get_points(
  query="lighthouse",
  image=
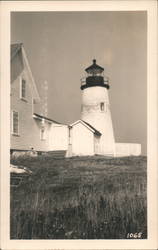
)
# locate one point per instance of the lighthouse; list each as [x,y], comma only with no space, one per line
[95,108]
[93,133]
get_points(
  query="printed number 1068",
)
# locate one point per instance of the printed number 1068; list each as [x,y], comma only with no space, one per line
[134,235]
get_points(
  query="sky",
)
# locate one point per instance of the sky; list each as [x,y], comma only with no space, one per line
[60,45]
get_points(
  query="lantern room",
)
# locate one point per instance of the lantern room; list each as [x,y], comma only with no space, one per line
[95,77]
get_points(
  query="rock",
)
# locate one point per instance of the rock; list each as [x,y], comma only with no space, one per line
[19,170]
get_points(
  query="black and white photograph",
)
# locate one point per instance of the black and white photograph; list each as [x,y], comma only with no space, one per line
[78,125]
[79,149]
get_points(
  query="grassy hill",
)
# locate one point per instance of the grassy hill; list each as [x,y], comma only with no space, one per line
[80,198]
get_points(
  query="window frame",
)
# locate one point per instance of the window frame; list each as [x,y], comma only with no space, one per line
[102,106]
[21,88]
[43,138]
[14,132]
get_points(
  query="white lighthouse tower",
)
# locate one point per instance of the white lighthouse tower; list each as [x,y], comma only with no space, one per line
[95,108]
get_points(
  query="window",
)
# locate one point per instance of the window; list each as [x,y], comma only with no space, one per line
[23,89]
[15,122]
[43,134]
[102,106]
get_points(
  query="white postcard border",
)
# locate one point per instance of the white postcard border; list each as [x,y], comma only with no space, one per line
[151,8]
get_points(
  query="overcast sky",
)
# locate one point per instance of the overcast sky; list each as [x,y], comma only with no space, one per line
[60,45]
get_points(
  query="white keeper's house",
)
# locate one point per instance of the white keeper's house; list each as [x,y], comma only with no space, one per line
[92,134]
[28,129]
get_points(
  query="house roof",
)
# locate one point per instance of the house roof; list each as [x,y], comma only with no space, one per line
[95,130]
[35,115]
[90,127]
[15,48]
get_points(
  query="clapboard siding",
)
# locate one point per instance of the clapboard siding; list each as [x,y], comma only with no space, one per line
[17,65]
[29,128]
[82,140]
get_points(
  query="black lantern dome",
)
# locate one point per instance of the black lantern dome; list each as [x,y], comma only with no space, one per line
[95,77]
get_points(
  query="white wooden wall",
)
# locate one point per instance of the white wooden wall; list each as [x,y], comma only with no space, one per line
[58,137]
[127,149]
[82,140]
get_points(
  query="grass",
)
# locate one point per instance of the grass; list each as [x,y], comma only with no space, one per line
[79,198]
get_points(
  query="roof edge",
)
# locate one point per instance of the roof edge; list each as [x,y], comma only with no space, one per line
[90,127]
[18,46]
[35,115]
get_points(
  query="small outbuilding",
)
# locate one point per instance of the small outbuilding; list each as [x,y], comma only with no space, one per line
[83,139]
